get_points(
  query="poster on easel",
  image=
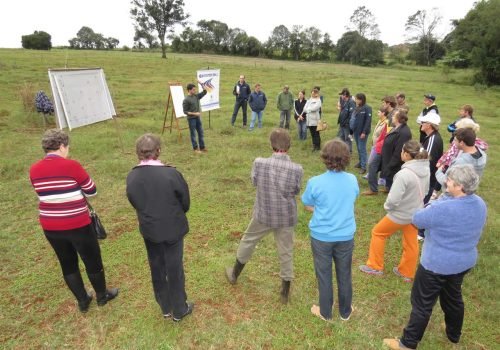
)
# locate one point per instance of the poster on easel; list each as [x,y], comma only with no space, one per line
[174,106]
[209,80]
[177,93]
[81,97]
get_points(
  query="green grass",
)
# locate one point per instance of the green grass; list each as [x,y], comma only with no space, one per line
[37,310]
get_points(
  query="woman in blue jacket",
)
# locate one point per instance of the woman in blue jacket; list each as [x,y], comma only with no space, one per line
[361,124]
[453,225]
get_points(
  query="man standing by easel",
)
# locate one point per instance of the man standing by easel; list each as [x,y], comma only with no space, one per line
[192,109]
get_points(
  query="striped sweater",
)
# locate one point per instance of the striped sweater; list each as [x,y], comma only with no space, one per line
[59,183]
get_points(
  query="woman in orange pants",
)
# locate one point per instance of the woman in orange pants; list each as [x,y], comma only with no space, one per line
[410,185]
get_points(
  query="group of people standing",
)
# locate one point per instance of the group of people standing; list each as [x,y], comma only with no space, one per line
[160,195]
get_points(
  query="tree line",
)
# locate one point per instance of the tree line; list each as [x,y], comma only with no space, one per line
[473,42]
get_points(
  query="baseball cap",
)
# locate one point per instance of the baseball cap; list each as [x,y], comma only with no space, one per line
[432,118]
[430,97]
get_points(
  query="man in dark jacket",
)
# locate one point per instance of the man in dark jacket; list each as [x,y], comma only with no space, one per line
[433,144]
[361,124]
[346,107]
[430,107]
[242,92]
[257,102]
[160,196]
[192,109]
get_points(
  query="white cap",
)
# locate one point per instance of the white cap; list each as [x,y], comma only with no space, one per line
[432,118]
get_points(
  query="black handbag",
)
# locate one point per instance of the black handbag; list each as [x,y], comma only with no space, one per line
[96,224]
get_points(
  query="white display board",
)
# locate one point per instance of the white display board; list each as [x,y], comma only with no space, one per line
[210,81]
[177,93]
[81,97]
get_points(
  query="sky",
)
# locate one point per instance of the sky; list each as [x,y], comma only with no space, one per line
[63,18]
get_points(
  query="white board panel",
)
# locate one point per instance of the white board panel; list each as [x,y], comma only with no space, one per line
[177,92]
[81,96]
[210,81]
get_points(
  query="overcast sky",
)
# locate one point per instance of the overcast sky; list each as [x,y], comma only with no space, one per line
[63,18]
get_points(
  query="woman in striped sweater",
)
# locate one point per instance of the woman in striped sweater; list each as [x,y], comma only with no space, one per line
[62,185]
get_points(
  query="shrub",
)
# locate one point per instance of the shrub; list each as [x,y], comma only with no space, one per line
[39,40]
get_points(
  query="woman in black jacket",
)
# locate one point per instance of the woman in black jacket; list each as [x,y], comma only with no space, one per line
[300,115]
[160,195]
[361,124]
[393,144]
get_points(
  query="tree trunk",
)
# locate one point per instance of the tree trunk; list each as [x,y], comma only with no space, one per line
[163,47]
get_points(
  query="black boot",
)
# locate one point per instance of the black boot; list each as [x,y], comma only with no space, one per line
[285,291]
[103,295]
[75,284]
[232,273]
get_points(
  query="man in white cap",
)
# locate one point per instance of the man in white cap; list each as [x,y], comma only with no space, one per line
[433,144]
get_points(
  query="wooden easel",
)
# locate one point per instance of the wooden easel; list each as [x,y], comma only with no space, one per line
[170,105]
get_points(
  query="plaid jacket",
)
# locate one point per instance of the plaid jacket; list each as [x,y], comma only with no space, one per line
[278,181]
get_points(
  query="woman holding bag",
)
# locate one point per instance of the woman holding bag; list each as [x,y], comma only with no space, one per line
[62,185]
[405,198]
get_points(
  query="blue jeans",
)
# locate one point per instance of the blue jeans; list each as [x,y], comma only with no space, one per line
[343,134]
[361,146]
[341,254]
[373,168]
[196,127]
[256,115]
[302,129]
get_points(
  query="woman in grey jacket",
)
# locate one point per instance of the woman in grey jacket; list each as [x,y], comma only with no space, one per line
[312,108]
[405,198]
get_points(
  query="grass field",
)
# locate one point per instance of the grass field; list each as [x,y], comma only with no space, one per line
[38,311]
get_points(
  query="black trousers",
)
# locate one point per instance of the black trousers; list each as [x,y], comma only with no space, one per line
[316,138]
[237,104]
[69,244]
[427,288]
[167,275]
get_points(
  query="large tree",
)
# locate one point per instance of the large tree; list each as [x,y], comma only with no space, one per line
[158,15]
[476,37]
[279,41]
[421,28]
[363,21]
[39,40]
[86,38]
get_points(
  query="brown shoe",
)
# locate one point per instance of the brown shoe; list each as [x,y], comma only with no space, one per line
[197,151]
[394,344]
[204,150]
[384,190]
[369,193]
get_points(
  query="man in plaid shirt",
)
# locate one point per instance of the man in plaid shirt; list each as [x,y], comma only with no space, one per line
[278,181]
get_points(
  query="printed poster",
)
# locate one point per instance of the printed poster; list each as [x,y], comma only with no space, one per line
[210,81]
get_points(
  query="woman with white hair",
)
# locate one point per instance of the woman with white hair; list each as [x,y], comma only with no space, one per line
[453,240]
